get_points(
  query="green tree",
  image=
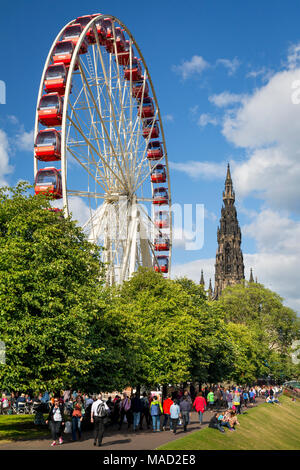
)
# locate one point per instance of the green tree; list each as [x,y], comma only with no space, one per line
[272,328]
[49,294]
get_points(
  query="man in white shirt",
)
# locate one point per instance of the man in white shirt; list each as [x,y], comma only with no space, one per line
[99,413]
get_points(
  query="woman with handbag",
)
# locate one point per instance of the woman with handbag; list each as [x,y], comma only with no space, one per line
[56,421]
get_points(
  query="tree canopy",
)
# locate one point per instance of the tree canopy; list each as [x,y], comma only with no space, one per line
[63,327]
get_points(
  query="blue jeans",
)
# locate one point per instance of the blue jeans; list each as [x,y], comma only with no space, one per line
[76,426]
[136,419]
[156,423]
[166,419]
[200,415]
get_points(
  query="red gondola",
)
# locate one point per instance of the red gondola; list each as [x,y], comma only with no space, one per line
[134,71]
[162,243]
[72,33]
[120,42]
[83,21]
[154,150]
[124,57]
[101,29]
[63,52]
[48,181]
[107,24]
[161,219]
[47,146]
[160,196]
[163,264]
[150,130]
[158,174]
[147,108]
[137,89]
[50,109]
[55,78]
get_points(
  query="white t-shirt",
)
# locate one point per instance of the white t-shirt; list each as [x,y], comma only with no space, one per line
[57,414]
[95,407]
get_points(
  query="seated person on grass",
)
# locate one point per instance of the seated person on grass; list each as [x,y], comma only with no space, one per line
[215,424]
[232,418]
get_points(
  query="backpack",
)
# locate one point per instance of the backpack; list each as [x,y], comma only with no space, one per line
[101,411]
[155,410]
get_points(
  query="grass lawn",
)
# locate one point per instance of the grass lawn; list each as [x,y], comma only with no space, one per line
[14,427]
[265,427]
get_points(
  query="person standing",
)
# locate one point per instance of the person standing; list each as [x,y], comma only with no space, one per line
[174,414]
[145,411]
[99,415]
[166,408]
[56,421]
[246,398]
[237,401]
[200,405]
[125,406]
[155,411]
[185,408]
[77,416]
[136,408]
[229,398]
[210,399]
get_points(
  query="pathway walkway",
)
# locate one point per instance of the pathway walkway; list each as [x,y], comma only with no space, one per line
[115,439]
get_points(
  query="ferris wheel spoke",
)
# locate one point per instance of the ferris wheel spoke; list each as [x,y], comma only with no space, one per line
[85,194]
[89,143]
[108,90]
[86,168]
[105,130]
[96,132]
[144,153]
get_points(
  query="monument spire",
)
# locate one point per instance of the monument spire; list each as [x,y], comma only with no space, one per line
[202,283]
[229,266]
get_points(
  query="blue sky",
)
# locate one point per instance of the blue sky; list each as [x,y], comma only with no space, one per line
[223,75]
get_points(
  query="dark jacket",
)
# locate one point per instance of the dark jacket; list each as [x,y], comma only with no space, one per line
[50,416]
[136,405]
[185,405]
[213,422]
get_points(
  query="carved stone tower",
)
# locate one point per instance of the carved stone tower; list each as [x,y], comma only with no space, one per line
[229,267]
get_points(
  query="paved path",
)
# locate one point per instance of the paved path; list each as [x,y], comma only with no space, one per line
[115,439]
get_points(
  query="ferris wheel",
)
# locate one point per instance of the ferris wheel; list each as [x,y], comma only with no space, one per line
[98,126]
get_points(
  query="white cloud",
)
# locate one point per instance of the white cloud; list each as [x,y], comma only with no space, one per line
[192,270]
[168,117]
[80,211]
[5,168]
[196,169]
[226,98]
[263,72]
[293,59]
[230,65]
[188,68]
[205,119]
[277,272]
[24,140]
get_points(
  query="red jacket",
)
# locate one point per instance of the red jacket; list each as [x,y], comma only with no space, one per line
[199,404]
[166,406]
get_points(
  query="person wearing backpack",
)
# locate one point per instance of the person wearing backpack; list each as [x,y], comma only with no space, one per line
[155,412]
[99,414]
[145,411]
[125,410]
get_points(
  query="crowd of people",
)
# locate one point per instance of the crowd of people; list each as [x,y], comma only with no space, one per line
[73,411]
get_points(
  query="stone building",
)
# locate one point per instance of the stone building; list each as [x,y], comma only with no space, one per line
[229,266]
